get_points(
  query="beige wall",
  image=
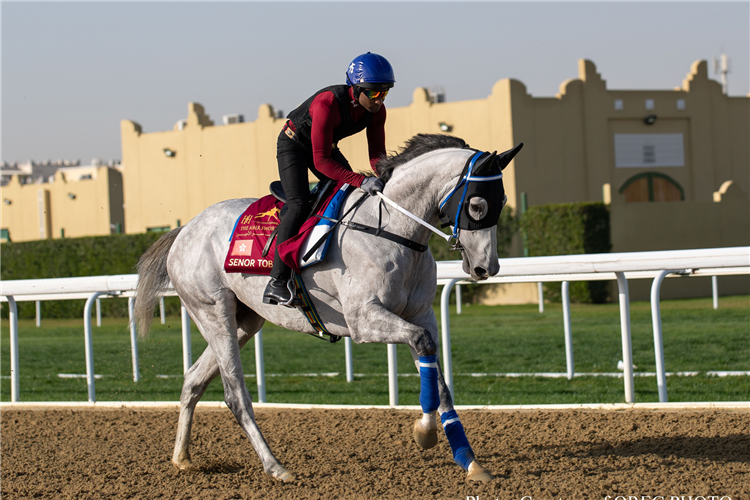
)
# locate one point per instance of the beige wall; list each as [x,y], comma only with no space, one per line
[568,153]
[212,163]
[38,211]
[571,136]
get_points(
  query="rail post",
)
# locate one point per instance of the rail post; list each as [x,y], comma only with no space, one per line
[715,290]
[13,317]
[661,376]
[540,293]
[348,359]
[568,334]
[627,344]
[133,340]
[98,312]
[187,347]
[392,375]
[446,334]
[88,338]
[260,369]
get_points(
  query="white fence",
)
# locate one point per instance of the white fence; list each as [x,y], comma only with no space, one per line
[567,268]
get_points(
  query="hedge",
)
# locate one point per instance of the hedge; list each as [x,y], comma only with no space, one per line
[566,229]
[573,228]
[72,257]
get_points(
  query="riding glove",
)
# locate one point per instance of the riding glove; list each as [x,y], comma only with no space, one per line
[372,185]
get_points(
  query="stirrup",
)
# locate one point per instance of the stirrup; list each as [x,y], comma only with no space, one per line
[293,301]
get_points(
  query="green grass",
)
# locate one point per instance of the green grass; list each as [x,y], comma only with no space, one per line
[497,339]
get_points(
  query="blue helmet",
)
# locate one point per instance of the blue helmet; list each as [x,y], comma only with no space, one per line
[370,71]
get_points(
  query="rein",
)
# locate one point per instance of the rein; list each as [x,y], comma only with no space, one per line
[463,181]
[446,237]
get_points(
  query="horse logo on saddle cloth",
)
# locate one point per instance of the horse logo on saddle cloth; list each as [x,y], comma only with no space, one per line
[253,240]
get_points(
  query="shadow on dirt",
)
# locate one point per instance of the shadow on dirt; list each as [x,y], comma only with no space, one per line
[216,467]
[732,448]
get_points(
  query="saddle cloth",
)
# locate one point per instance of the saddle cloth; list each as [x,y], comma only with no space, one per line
[257,223]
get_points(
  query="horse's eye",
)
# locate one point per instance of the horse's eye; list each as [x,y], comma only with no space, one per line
[477,208]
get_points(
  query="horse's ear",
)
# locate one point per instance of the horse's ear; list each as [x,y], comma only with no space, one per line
[486,163]
[503,159]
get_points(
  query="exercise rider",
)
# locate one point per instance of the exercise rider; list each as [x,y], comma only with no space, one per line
[308,141]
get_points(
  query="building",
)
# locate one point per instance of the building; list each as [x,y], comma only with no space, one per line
[672,164]
[56,201]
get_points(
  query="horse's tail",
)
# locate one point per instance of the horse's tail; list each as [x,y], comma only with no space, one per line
[152,280]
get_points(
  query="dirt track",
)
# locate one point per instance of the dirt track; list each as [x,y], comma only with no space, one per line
[352,454]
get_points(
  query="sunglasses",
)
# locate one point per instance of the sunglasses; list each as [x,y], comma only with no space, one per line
[375,94]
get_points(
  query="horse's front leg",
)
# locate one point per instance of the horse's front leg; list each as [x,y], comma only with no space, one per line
[425,429]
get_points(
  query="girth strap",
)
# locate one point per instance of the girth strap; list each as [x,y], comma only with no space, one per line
[308,309]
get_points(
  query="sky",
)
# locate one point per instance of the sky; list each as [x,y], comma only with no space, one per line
[71,71]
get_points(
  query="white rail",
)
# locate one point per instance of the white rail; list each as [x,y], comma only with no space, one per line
[565,268]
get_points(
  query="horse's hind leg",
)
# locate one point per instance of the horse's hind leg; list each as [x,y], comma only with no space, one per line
[218,324]
[197,378]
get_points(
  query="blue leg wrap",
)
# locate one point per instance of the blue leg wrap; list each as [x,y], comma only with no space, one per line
[454,431]
[429,397]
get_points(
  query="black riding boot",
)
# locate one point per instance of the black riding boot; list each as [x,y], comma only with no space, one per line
[279,291]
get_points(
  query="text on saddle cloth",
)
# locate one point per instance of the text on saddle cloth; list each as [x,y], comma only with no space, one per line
[257,224]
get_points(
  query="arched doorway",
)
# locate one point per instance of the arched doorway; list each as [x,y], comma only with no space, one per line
[652,186]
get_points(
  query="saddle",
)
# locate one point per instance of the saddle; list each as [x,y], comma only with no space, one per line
[317,195]
[253,238]
[257,227]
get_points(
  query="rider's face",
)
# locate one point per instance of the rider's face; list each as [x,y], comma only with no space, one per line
[371,105]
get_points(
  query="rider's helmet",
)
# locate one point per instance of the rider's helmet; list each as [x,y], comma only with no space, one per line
[370,71]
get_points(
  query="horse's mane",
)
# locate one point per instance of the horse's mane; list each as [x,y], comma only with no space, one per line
[416,146]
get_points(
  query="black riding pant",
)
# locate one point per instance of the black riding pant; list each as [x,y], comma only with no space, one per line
[294,161]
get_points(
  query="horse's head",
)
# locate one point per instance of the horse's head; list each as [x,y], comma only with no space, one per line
[472,208]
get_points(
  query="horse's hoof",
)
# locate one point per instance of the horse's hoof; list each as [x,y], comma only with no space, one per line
[425,438]
[478,473]
[284,476]
[183,464]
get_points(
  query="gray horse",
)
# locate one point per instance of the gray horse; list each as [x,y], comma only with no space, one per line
[368,288]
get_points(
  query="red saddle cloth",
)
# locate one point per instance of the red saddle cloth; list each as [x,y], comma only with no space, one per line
[251,233]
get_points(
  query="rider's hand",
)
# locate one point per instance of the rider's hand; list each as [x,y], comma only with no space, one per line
[372,185]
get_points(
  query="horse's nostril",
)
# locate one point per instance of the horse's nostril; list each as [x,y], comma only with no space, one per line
[480,271]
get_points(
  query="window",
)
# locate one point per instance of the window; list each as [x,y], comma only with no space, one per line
[649,104]
[4,235]
[681,104]
[649,150]
[652,186]
[618,104]
[161,229]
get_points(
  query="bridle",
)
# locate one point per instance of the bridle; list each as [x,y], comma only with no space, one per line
[481,178]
